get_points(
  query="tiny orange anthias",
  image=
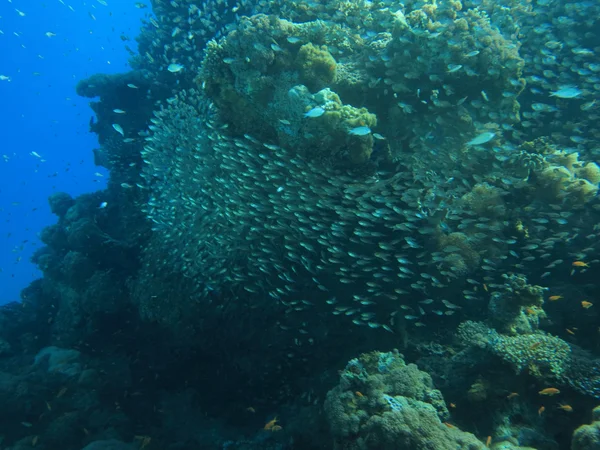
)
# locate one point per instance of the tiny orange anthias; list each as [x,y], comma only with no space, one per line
[270,424]
[549,391]
[567,408]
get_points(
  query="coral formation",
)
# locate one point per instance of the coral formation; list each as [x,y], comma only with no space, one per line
[316,66]
[313,181]
[587,437]
[517,306]
[390,405]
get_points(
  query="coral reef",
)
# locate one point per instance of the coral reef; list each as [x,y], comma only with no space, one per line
[517,307]
[587,437]
[265,90]
[294,184]
[381,402]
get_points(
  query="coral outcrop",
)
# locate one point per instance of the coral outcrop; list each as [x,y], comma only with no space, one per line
[587,437]
[383,403]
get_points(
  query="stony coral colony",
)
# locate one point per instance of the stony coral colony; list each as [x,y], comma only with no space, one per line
[417,175]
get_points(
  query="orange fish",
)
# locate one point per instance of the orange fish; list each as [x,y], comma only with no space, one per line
[449,425]
[276,428]
[570,331]
[586,304]
[534,346]
[488,441]
[541,410]
[567,408]
[452,405]
[485,288]
[270,424]
[359,394]
[579,264]
[553,298]
[512,395]
[549,391]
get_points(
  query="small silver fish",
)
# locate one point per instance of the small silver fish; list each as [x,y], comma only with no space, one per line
[174,68]
[360,131]
[454,68]
[317,111]
[566,92]
[119,129]
[482,138]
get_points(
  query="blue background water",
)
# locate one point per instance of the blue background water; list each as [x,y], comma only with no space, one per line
[40,112]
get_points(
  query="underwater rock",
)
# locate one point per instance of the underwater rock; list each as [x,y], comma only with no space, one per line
[5,347]
[60,360]
[60,202]
[63,431]
[77,268]
[54,236]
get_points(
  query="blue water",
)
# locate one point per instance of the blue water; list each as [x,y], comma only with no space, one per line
[40,112]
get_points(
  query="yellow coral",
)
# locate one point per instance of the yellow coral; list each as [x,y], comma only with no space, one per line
[316,65]
[582,190]
[465,259]
[567,160]
[485,200]
[553,180]
[590,172]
